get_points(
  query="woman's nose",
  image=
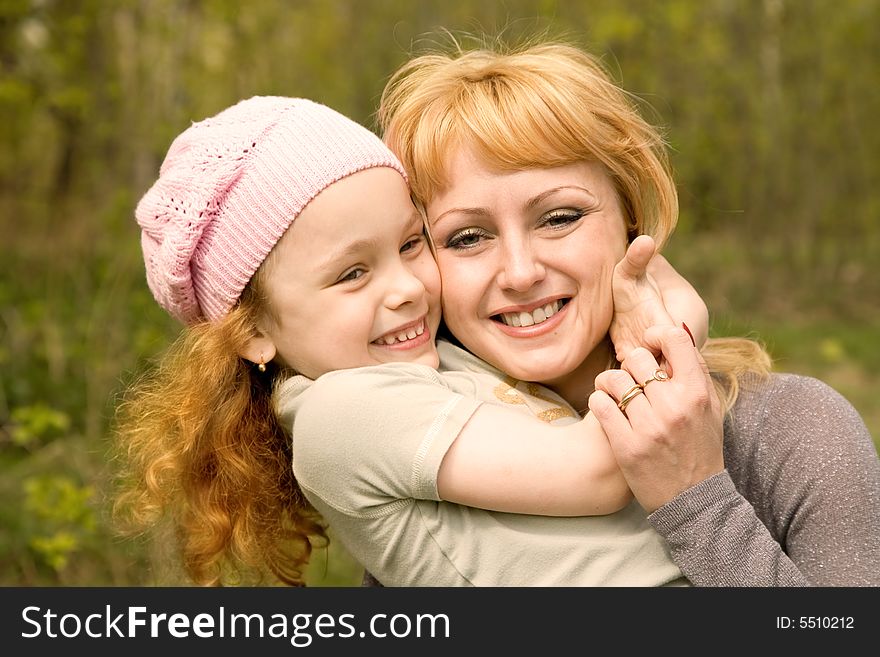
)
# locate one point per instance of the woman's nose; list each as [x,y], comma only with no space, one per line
[520,266]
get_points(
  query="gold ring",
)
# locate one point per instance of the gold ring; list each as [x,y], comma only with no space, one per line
[628,396]
[658,375]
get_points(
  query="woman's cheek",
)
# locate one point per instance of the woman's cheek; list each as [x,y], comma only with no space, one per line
[456,284]
[454,307]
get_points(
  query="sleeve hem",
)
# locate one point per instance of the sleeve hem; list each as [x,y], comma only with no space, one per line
[441,434]
[692,502]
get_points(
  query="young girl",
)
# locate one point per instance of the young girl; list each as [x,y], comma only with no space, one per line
[283,235]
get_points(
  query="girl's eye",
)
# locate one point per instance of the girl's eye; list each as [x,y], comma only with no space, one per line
[412,244]
[467,238]
[561,218]
[352,275]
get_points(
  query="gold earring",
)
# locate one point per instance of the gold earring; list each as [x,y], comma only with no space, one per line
[262,365]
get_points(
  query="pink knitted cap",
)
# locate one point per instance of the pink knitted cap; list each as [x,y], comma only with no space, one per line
[231,185]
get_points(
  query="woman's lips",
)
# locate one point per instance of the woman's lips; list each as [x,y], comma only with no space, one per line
[540,320]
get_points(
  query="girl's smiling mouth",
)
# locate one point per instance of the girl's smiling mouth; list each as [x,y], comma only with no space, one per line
[405,337]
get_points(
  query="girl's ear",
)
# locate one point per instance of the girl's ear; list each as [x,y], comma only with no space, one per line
[260,349]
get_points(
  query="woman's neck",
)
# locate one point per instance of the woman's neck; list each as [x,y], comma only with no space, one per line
[576,387]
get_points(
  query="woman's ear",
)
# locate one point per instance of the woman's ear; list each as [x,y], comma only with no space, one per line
[259,349]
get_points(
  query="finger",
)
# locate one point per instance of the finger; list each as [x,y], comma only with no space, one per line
[691,335]
[614,382]
[614,423]
[639,253]
[677,347]
[622,388]
[644,368]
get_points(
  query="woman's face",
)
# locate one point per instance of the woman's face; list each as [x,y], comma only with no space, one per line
[526,259]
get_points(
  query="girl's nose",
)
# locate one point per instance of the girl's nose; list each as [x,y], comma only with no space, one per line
[404,287]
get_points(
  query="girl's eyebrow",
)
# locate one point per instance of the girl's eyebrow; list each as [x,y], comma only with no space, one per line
[346,251]
[416,218]
[358,246]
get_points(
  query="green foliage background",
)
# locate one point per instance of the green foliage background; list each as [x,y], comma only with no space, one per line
[770,107]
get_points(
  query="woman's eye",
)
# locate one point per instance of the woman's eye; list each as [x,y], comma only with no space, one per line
[465,239]
[561,218]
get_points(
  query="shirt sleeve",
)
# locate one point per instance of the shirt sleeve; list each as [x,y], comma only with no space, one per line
[366,438]
[799,502]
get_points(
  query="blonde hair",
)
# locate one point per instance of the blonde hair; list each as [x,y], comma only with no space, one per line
[542,105]
[201,446]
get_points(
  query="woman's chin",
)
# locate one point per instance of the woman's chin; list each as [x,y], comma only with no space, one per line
[558,370]
[540,371]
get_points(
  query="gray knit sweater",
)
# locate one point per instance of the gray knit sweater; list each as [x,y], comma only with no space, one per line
[798,503]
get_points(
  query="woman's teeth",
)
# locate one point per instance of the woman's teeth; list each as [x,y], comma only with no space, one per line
[403,336]
[538,315]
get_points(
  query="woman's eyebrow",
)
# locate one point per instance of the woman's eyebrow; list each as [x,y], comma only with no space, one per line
[535,200]
[467,211]
[532,202]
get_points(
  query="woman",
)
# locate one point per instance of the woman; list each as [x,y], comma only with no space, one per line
[535,170]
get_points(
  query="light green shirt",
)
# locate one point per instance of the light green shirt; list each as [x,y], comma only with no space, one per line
[367,447]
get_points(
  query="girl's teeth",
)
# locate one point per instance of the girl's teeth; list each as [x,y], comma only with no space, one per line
[402,337]
[537,316]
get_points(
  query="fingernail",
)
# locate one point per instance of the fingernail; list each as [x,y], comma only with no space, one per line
[691,335]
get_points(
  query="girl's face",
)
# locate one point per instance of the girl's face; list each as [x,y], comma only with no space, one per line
[526,259]
[353,282]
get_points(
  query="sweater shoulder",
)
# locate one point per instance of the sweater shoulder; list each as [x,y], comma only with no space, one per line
[785,421]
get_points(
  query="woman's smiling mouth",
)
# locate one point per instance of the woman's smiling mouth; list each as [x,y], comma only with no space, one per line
[531,317]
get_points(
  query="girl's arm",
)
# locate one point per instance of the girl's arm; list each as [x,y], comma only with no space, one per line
[504,460]
[373,435]
[647,292]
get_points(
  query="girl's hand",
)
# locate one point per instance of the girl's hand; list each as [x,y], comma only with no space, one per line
[669,436]
[638,302]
